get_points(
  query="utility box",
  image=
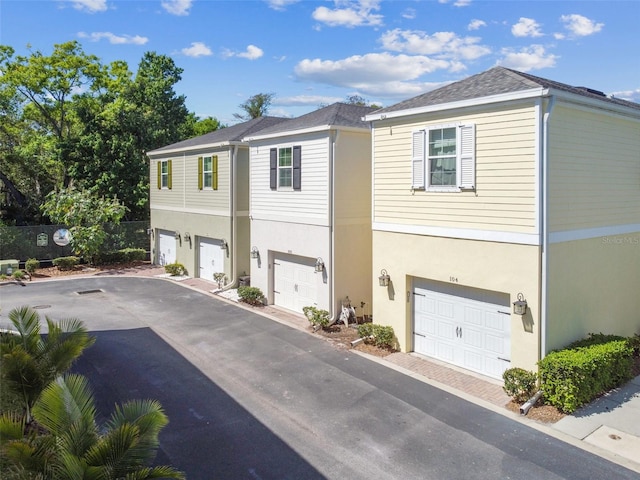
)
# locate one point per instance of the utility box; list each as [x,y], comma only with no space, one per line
[244,281]
[7,267]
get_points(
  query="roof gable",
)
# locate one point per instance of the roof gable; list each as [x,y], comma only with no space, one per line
[496,81]
[234,133]
[335,115]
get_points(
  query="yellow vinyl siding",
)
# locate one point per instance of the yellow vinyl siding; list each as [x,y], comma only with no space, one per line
[505,193]
[594,170]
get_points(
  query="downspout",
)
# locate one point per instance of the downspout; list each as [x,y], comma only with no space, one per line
[544,224]
[233,200]
[333,135]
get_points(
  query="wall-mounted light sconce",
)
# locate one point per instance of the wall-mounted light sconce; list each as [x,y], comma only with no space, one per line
[224,245]
[520,305]
[384,278]
[187,237]
[319,267]
[149,231]
[254,252]
[177,235]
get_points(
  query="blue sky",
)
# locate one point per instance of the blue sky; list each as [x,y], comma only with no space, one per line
[312,53]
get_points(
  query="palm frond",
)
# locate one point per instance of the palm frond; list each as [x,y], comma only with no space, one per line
[161,471]
[64,402]
[12,426]
[27,323]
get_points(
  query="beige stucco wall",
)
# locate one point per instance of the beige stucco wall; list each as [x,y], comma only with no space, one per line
[594,286]
[500,267]
[198,225]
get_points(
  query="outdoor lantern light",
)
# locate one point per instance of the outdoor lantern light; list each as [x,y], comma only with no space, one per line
[319,265]
[224,245]
[177,235]
[254,252]
[187,237]
[384,278]
[520,306]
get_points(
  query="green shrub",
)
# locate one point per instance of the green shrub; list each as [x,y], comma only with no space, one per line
[380,335]
[573,377]
[317,317]
[19,275]
[125,255]
[31,265]
[66,263]
[175,269]
[251,295]
[634,344]
[593,339]
[519,384]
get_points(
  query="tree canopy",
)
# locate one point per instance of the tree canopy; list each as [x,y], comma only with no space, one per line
[71,121]
[255,106]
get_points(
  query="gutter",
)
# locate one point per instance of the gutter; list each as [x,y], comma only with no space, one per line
[233,200]
[333,135]
[544,225]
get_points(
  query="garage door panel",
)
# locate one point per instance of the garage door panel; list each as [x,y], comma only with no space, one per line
[458,325]
[166,248]
[294,282]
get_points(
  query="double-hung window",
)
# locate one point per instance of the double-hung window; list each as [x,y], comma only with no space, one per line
[208,172]
[164,174]
[285,168]
[443,158]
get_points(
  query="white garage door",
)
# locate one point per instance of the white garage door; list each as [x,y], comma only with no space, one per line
[467,327]
[211,257]
[166,248]
[295,282]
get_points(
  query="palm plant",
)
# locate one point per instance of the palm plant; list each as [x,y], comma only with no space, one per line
[69,444]
[31,361]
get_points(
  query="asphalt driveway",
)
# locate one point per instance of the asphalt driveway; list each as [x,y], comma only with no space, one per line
[251,398]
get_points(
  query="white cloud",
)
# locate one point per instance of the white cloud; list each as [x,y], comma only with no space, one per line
[177,7]
[475,24]
[529,58]
[443,44]
[380,74]
[113,38]
[280,4]
[305,100]
[526,27]
[409,13]
[630,95]
[90,6]
[580,26]
[197,49]
[358,13]
[251,53]
[457,3]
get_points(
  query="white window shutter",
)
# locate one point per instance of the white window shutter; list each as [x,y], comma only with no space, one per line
[417,159]
[467,156]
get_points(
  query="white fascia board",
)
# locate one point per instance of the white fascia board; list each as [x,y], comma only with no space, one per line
[596,103]
[192,148]
[503,97]
[319,128]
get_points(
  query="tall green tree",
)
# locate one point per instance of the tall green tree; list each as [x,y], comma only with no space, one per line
[70,444]
[255,106]
[85,213]
[31,361]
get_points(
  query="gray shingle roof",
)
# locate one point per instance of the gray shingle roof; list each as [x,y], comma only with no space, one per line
[497,80]
[335,115]
[234,133]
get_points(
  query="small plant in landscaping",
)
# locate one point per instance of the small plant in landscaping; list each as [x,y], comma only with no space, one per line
[519,384]
[219,278]
[251,295]
[380,335]
[175,269]
[19,275]
[66,263]
[31,265]
[317,317]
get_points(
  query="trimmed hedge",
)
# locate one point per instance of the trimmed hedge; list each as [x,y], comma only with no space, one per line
[575,376]
[380,335]
[251,295]
[519,384]
[175,269]
[125,255]
[316,316]
[65,263]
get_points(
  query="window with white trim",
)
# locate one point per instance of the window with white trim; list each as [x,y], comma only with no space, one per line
[443,157]
[286,168]
[164,174]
